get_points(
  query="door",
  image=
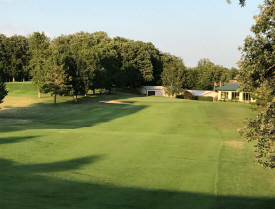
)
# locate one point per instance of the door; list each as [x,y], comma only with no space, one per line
[151,93]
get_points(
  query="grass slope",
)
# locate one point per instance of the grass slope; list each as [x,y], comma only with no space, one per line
[160,153]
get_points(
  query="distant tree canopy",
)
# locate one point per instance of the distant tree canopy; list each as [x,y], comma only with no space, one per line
[76,63]
[206,73]
[14,57]
[173,75]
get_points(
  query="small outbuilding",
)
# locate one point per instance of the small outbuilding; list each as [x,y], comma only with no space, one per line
[153,91]
[232,92]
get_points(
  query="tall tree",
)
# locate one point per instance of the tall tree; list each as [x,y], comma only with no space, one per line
[173,74]
[208,73]
[3,91]
[84,50]
[40,51]
[56,78]
[258,73]
[62,45]
[3,57]
[135,63]
[17,57]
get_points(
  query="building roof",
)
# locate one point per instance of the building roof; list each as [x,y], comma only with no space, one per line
[210,94]
[229,87]
[199,92]
[153,87]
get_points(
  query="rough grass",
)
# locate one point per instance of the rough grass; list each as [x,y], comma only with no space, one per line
[160,153]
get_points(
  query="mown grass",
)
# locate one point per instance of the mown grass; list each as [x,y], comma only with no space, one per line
[158,153]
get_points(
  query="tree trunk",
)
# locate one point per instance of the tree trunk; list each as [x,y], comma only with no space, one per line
[75,98]
[93,91]
[110,90]
[54,100]
[39,94]
[13,79]
[23,79]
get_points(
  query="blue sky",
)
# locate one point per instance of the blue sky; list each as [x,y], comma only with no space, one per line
[191,29]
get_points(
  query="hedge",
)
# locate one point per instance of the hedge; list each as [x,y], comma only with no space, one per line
[201,98]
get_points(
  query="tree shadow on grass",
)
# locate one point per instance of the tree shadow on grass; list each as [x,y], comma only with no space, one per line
[86,113]
[8,140]
[22,187]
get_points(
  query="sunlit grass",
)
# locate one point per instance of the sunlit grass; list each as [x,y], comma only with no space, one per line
[158,153]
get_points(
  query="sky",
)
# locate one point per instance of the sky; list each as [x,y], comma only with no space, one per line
[190,29]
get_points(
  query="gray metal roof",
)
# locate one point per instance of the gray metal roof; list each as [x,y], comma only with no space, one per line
[198,92]
[153,87]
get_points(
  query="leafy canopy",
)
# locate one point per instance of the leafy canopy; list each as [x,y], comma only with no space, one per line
[3,91]
[258,74]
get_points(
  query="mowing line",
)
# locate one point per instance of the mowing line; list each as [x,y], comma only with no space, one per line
[218,161]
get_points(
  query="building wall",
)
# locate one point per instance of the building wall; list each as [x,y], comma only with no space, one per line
[241,96]
[143,90]
[160,93]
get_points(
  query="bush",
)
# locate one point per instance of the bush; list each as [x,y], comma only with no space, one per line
[202,98]
[188,95]
[180,96]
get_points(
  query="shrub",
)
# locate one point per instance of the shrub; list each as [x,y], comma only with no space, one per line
[180,96]
[188,95]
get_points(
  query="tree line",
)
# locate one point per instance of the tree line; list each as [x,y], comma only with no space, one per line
[73,64]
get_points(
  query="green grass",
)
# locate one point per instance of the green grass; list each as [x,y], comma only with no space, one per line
[159,153]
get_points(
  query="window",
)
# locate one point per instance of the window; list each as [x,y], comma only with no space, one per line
[235,95]
[224,95]
[246,96]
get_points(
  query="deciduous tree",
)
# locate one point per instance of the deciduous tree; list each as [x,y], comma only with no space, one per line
[258,73]
[3,91]
[173,74]
[17,57]
[40,51]
[56,79]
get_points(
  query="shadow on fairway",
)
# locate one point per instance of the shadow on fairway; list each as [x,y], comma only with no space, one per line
[7,140]
[23,187]
[67,115]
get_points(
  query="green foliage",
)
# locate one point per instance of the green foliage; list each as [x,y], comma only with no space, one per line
[14,57]
[57,79]
[40,52]
[206,73]
[3,56]
[262,130]
[135,62]
[18,56]
[258,52]
[241,2]
[3,91]
[257,73]
[262,95]
[173,74]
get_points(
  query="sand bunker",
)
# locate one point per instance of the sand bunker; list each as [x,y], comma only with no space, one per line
[234,144]
[116,102]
